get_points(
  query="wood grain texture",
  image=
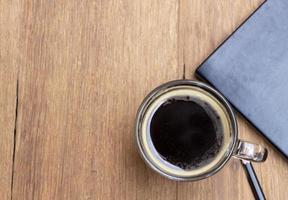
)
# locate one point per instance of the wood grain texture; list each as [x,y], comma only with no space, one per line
[8,92]
[86,67]
[83,68]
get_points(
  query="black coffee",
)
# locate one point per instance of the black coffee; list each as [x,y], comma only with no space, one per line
[185,133]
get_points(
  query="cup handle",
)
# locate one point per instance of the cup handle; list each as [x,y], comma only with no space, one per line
[250,152]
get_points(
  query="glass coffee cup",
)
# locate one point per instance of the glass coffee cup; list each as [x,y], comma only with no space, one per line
[186,130]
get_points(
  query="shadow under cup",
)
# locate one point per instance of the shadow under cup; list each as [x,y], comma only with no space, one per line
[211,159]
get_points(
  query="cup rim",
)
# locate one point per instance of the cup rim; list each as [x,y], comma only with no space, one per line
[206,87]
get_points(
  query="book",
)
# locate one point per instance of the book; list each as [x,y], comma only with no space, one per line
[251,70]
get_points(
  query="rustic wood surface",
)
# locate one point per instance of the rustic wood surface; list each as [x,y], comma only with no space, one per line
[72,76]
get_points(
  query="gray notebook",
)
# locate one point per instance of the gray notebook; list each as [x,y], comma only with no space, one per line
[251,69]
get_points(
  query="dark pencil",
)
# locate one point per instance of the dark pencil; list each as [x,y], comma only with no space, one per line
[253,180]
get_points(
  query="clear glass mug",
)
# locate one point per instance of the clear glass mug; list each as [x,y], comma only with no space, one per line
[233,147]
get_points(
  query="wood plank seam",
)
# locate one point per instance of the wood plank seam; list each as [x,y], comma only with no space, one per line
[15,134]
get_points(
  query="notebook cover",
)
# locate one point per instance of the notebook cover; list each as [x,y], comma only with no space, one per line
[251,69]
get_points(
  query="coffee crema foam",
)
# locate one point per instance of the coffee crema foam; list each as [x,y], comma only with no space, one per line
[197,164]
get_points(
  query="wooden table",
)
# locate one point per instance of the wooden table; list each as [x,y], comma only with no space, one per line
[72,76]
